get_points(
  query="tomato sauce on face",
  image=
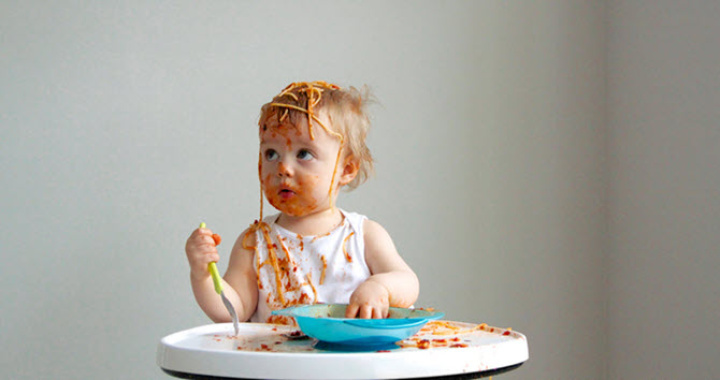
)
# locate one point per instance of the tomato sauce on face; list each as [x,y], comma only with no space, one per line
[297,199]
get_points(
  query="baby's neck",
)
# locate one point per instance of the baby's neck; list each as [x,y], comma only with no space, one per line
[317,223]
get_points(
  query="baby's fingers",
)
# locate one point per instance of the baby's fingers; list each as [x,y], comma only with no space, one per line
[199,261]
[380,313]
[202,237]
[351,311]
[209,257]
[365,311]
[200,247]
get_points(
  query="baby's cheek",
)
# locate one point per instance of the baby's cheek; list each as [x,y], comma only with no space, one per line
[308,182]
[268,189]
[306,201]
[265,181]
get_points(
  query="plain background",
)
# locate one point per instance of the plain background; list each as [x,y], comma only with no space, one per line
[548,166]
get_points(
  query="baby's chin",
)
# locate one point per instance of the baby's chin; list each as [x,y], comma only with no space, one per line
[294,209]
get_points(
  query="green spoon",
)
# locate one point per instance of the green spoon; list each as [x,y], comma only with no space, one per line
[212,268]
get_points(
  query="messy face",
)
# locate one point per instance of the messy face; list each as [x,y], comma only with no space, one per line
[296,171]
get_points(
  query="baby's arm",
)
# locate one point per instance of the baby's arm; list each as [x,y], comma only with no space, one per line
[239,282]
[392,282]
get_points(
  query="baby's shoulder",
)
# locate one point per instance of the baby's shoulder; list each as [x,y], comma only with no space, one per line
[248,238]
[373,229]
[355,220]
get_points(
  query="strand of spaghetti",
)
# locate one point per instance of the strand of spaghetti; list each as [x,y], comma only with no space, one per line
[258,263]
[344,247]
[274,261]
[320,236]
[310,114]
[310,117]
[332,181]
[262,198]
[316,85]
[309,279]
[250,233]
[287,251]
[262,201]
[315,101]
[324,268]
[266,262]
[315,118]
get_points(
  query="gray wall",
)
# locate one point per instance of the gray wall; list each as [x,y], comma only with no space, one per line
[506,182]
[664,190]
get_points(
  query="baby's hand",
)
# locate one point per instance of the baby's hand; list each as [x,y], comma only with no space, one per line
[370,300]
[201,250]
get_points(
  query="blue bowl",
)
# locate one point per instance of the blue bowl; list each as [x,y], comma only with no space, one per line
[327,323]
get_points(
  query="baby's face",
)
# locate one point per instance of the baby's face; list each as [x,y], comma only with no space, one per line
[296,171]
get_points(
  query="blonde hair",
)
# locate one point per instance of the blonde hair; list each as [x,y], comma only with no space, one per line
[345,109]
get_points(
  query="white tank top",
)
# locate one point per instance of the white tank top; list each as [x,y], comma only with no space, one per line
[310,269]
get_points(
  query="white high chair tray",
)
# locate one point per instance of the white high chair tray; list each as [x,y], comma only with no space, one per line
[263,351]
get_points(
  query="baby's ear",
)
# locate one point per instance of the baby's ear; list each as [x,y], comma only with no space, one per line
[349,170]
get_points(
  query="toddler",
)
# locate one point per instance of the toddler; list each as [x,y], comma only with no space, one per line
[312,144]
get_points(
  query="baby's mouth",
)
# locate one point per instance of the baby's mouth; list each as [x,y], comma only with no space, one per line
[286,193]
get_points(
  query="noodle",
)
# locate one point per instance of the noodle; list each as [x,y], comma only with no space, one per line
[324,269]
[273,261]
[344,247]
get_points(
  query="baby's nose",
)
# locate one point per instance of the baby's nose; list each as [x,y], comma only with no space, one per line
[284,170]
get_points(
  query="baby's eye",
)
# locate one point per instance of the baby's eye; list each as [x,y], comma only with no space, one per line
[304,154]
[271,155]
